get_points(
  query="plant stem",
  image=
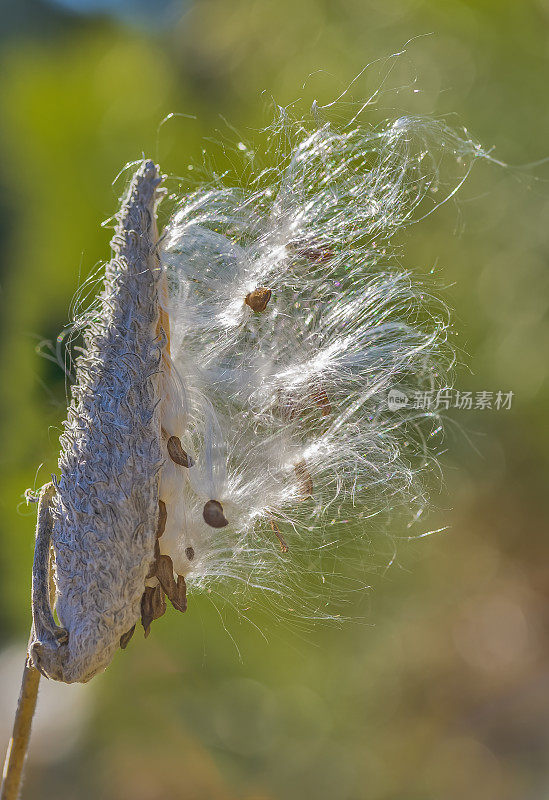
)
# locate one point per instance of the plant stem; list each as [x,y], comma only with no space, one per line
[19,742]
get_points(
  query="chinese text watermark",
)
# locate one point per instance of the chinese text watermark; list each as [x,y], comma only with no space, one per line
[446,399]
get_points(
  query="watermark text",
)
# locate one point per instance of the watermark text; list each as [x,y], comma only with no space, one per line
[446,399]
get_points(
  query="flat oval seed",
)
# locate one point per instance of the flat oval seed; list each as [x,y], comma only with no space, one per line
[304,478]
[164,573]
[125,638]
[320,399]
[213,514]
[179,600]
[147,613]
[258,299]
[158,603]
[276,530]
[176,592]
[177,453]
[162,517]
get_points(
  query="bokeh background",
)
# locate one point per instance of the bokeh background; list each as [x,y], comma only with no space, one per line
[439,688]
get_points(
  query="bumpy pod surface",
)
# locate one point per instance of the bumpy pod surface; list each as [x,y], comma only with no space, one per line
[105,507]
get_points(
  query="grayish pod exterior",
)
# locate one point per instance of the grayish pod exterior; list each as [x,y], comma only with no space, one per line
[102,514]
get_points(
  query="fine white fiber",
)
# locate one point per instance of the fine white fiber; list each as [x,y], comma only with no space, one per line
[290,321]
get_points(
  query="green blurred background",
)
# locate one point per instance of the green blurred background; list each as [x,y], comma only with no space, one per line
[440,688]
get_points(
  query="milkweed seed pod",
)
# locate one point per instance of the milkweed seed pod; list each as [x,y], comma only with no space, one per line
[104,509]
[233,388]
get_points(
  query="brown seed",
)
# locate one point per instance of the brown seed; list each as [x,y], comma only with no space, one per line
[315,252]
[176,592]
[189,552]
[320,399]
[304,478]
[179,601]
[177,453]
[158,602]
[147,614]
[276,530]
[162,517]
[161,526]
[258,299]
[164,573]
[287,406]
[213,514]
[125,638]
[153,605]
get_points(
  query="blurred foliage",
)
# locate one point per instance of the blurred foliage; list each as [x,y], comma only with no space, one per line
[439,690]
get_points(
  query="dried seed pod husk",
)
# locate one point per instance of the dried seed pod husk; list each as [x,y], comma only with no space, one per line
[107,487]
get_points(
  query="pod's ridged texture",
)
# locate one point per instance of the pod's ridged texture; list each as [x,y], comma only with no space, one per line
[106,506]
